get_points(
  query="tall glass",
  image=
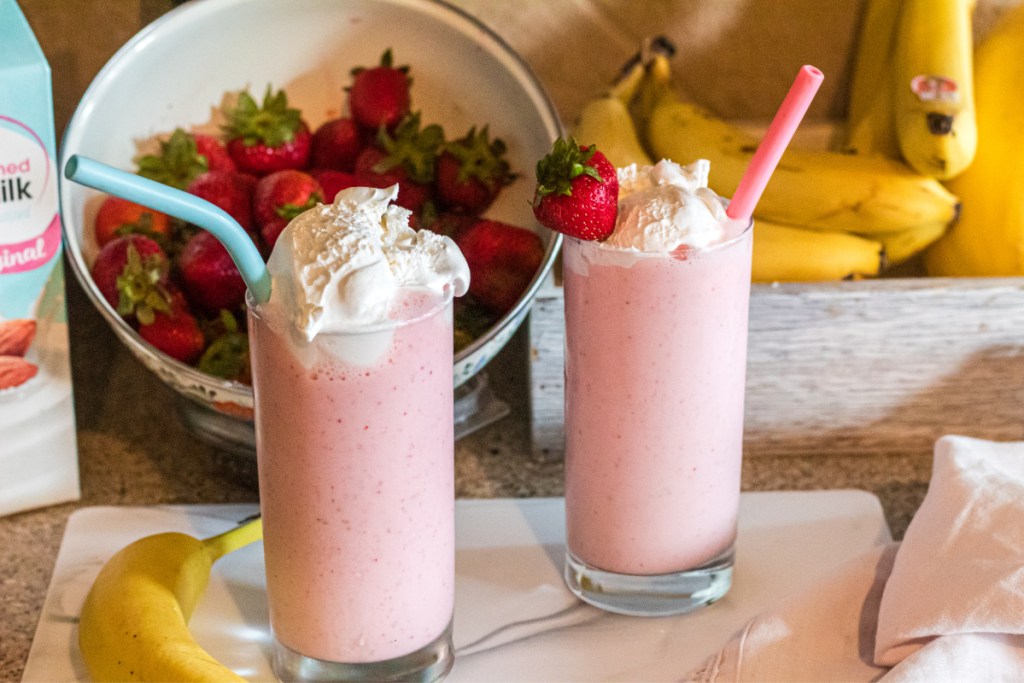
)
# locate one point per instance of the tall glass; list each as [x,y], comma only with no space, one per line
[655,374]
[355,441]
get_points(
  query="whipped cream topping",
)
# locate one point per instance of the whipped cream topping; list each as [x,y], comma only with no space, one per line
[338,267]
[665,206]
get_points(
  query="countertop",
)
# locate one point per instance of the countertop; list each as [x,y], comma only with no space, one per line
[134,450]
[133,447]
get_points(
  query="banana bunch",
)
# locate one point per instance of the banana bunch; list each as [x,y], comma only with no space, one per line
[824,216]
[134,623]
[988,239]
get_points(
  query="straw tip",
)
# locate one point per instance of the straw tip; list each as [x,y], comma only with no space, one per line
[71,167]
[812,72]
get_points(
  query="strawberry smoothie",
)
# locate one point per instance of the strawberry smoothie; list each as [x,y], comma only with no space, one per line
[656,333]
[355,440]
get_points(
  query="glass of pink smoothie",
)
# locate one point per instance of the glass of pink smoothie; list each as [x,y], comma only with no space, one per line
[355,441]
[656,338]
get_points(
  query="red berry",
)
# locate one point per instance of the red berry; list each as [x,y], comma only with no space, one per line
[373,170]
[131,273]
[216,155]
[231,191]
[211,279]
[471,172]
[379,96]
[280,197]
[503,259]
[177,334]
[577,191]
[336,144]
[118,216]
[267,138]
[333,182]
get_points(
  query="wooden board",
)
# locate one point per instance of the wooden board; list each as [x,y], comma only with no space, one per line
[849,368]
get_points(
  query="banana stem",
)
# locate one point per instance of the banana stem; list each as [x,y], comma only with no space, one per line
[233,539]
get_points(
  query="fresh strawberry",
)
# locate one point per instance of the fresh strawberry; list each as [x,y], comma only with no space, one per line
[183,158]
[211,279]
[407,158]
[176,332]
[231,191]
[117,217]
[280,197]
[267,138]
[379,96]
[131,273]
[448,223]
[333,182]
[227,356]
[471,171]
[215,153]
[577,191]
[336,144]
[502,261]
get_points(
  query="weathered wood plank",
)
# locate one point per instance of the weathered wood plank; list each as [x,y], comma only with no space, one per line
[861,368]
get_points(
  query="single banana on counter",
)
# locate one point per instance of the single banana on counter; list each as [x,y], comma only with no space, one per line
[816,189]
[934,96]
[134,624]
[784,253]
[988,239]
[870,119]
[605,120]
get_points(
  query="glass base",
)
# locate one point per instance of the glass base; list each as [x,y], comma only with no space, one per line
[430,663]
[658,595]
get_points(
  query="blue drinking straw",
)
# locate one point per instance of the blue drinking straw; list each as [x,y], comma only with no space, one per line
[180,204]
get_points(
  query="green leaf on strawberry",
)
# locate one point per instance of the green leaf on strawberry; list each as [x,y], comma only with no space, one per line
[140,286]
[413,149]
[227,356]
[178,163]
[566,162]
[272,124]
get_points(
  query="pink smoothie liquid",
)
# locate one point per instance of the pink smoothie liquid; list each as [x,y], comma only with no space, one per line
[355,442]
[655,374]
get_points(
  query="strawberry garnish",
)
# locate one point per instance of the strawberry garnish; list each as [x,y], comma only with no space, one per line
[336,144]
[267,138]
[117,217]
[280,197]
[379,96]
[577,191]
[503,260]
[229,190]
[471,171]
[131,273]
[210,276]
[184,157]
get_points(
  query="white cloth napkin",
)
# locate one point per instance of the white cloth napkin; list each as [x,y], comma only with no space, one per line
[946,604]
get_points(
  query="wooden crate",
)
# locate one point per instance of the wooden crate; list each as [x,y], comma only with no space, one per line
[849,368]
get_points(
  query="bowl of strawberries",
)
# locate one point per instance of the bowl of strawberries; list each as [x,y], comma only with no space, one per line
[267,109]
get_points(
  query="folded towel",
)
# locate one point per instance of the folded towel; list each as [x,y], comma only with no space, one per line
[946,604]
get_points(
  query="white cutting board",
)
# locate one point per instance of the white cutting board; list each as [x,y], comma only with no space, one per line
[514,619]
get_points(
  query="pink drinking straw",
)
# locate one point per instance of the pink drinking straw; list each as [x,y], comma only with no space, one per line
[775,141]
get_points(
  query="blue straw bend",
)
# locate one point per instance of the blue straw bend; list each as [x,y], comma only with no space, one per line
[180,204]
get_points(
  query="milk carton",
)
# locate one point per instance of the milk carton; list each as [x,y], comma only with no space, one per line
[38,454]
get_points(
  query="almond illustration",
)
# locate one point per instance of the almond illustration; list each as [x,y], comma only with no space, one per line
[14,371]
[16,336]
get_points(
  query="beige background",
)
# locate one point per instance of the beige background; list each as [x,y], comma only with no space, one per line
[735,56]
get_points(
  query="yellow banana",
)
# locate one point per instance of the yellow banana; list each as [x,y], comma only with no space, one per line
[988,239]
[134,621]
[605,121]
[901,246]
[934,96]
[791,254]
[870,127]
[816,189]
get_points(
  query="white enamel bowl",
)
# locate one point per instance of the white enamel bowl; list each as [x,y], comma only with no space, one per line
[177,71]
